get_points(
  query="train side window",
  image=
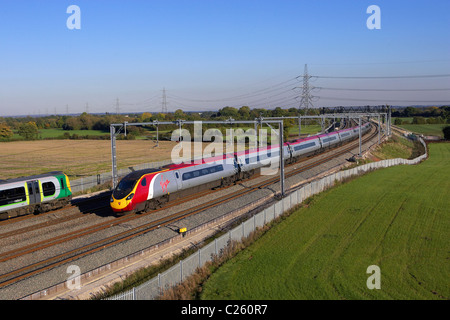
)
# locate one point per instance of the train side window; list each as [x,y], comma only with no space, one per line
[144,182]
[48,188]
[62,184]
[176,173]
[13,195]
[187,176]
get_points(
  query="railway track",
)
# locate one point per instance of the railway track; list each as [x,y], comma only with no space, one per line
[59,259]
[99,210]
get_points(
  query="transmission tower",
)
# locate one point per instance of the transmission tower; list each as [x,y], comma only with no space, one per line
[164,101]
[306,97]
[117,106]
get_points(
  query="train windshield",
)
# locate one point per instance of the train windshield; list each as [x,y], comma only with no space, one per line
[125,186]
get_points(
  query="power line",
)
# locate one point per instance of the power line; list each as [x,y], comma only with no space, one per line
[351,89]
[306,97]
[242,96]
[384,100]
[380,63]
[117,106]
[385,77]
[164,102]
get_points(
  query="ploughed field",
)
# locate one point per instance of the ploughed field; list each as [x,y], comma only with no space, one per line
[90,157]
[396,218]
[76,157]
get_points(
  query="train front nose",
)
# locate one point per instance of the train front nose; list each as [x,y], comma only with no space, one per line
[121,205]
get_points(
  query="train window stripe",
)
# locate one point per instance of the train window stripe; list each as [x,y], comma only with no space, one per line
[201,172]
[328,139]
[304,146]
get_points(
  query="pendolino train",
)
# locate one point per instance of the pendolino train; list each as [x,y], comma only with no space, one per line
[34,194]
[150,188]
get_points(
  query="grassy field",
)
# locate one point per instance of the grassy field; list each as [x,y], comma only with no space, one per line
[425,129]
[395,147]
[396,218]
[59,133]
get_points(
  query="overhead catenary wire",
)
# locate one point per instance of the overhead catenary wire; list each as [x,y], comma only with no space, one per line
[382,100]
[385,77]
[242,96]
[269,95]
[393,90]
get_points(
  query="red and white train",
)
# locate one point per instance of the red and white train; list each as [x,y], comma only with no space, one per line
[150,188]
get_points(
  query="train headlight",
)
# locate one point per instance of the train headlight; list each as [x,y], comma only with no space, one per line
[130,196]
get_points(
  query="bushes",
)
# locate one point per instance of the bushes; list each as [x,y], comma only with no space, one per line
[446,132]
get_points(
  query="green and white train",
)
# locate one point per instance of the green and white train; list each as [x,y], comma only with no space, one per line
[34,194]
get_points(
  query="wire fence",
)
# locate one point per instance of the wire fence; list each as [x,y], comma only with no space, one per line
[176,274]
[84,184]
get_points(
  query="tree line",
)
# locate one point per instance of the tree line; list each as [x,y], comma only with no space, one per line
[441,114]
[30,127]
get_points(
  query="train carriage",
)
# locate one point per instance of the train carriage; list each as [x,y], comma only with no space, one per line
[305,147]
[346,135]
[34,194]
[329,139]
[250,160]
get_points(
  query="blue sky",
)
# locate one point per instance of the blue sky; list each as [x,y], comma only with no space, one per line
[205,52]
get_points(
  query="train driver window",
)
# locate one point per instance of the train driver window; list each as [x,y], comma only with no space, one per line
[144,182]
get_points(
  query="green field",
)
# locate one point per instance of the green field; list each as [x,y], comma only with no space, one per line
[395,147]
[306,129]
[59,133]
[396,218]
[425,129]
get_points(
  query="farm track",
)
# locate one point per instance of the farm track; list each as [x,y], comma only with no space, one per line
[37,267]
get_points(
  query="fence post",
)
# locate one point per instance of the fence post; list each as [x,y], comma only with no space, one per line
[181,270]
[159,283]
